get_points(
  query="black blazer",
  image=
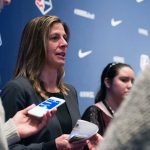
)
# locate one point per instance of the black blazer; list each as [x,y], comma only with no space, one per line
[18,94]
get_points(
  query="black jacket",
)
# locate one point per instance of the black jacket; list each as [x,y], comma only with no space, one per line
[18,94]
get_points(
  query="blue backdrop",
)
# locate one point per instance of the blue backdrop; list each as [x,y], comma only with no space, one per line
[101,31]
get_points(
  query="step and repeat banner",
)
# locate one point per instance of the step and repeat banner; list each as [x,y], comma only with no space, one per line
[102,31]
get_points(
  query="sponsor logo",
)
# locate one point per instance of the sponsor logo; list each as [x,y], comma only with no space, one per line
[82,54]
[118,59]
[115,23]
[44,6]
[143,31]
[1,40]
[144,61]
[86,94]
[84,13]
[139,1]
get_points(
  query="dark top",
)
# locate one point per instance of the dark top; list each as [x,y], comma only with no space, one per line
[95,115]
[19,93]
[63,111]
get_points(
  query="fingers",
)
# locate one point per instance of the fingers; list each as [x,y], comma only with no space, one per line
[47,116]
[43,122]
[99,137]
[54,110]
[25,111]
[94,141]
[62,143]
[51,113]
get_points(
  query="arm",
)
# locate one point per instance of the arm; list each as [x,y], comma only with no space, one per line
[23,125]
[20,99]
[3,140]
[10,131]
[27,125]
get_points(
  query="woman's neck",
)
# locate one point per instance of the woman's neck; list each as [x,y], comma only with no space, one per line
[114,103]
[49,78]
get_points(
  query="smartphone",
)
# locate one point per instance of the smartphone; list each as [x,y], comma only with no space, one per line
[41,109]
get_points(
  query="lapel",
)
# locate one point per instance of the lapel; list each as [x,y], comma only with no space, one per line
[72,107]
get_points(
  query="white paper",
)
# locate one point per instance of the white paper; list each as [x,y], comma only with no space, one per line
[83,130]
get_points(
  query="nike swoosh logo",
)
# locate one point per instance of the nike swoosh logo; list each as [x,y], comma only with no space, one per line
[83,54]
[115,23]
[0,40]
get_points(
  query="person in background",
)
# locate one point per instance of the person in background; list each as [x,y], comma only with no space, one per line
[39,74]
[116,82]
[130,128]
[21,125]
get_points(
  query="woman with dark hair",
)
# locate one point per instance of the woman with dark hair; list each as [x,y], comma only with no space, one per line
[130,127]
[116,82]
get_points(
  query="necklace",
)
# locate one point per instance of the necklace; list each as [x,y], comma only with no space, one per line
[109,108]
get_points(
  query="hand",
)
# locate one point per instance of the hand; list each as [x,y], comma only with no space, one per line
[62,143]
[28,125]
[94,141]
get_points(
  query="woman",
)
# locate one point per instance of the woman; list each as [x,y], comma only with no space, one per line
[116,82]
[130,128]
[39,74]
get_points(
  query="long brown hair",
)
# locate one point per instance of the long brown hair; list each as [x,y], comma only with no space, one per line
[32,52]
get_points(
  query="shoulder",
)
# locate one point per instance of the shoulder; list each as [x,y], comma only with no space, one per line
[17,87]
[69,86]
[92,114]
[91,109]
[18,83]
[71,89]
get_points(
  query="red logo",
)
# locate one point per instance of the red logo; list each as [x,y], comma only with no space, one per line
[44,6]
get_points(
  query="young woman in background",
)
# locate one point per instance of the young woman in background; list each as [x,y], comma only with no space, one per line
[116,82]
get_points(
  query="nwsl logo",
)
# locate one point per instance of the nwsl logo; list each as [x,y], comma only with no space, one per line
[44,6]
